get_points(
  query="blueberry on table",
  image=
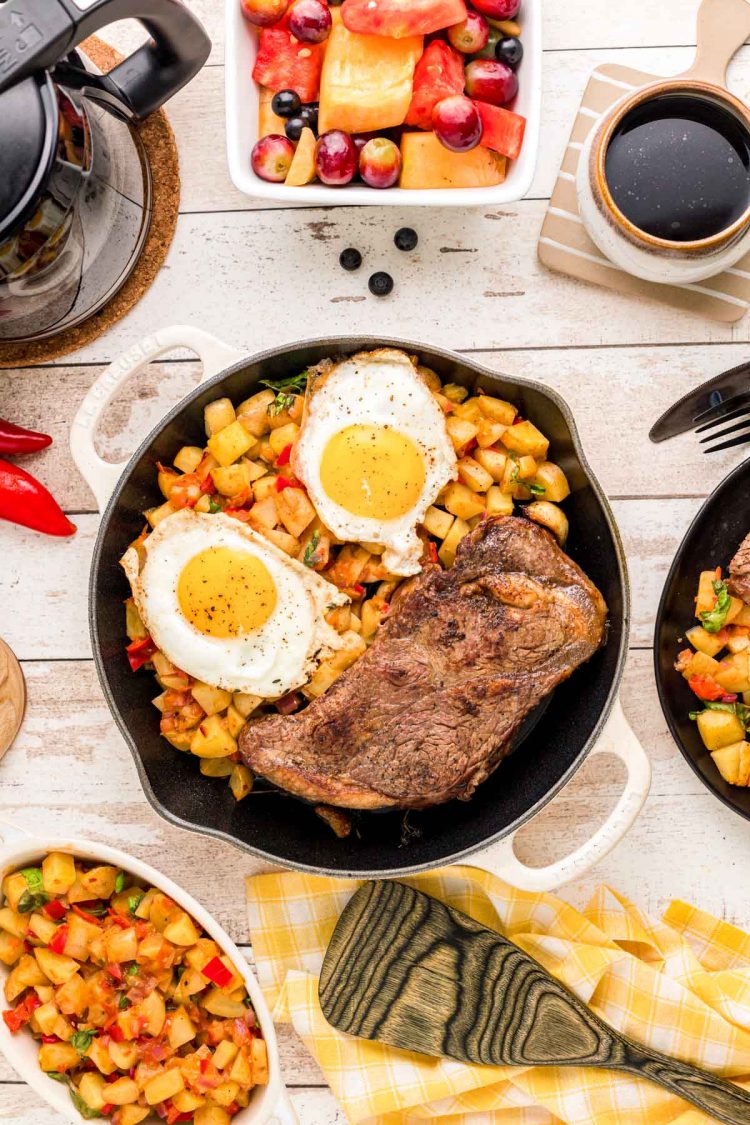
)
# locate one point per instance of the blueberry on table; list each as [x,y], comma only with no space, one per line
[286,103]
[381,284]
[406,239]
[509,51]
[350,259]
[294,127]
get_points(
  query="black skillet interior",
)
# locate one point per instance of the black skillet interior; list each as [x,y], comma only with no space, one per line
[286,830]
[711,541]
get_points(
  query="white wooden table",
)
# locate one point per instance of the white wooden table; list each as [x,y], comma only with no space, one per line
[256,276]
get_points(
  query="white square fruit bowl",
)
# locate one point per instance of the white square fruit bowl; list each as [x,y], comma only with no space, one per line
[242,131]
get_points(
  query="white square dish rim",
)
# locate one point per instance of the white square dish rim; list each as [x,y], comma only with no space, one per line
[241,133]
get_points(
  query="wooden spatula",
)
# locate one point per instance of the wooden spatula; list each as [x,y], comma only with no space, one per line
[405,969]
[12,697]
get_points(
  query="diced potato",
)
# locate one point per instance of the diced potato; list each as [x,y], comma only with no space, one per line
[11,948]
[430,378]
[743,617]
[246,703]
[719,729]
[122,1092]
[701,664]
[735,609]
[58,873]
[229,443]
[525,438]
[163,1086]
[188,459]
[264,513]
[152,1012]
[499,503]
[123,1055]
[218,415]
[447,552]
[133,1114]
[14,886]
[738,642]
[469,409]
[232,479]
[212,739]
[80,934]
[156,515]
[455,393]
[510,481]
[46,1018]
[461,501]
[549,516]
[473,475]
[216,767]
[242,1069]
[56,966]
[294,509]
[552,479]
[43,927]
[91,1088]
[437,522]
[461,433]
[186,1101]
[497,409]
[259,1059]
[727,761]
[283,436]
[225,1054]
[58,1057]
[489,432]
[189,983]
[135,629]
[253,413]
[704,642]
[100,1057]
[211,1115]
[329,670]
[25,974]
[706,598]
[181,1029]
[182,930]
[240,781]
[16,924]
[211,699]
[161,909]
[235,721]
[100,881]
[374,610]
[121,945]
[219,1004]
[734,673]
[72,997]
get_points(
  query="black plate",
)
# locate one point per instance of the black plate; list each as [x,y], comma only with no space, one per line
[711,541]
[276,826]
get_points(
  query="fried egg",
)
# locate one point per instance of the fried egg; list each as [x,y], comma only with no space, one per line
[229,608]
[374,452]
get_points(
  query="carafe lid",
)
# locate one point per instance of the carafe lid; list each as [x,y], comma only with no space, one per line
[28,143]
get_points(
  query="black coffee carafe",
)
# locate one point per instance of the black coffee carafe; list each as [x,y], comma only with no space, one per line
[75,184]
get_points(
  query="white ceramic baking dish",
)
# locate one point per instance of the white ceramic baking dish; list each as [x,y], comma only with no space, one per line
[17,849]
[242,130]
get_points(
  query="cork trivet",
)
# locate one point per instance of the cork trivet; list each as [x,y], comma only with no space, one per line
[12,697]
[565,246]
[161,150]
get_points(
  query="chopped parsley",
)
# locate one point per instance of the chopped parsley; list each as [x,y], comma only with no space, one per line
[311,548]
[285,391]
[34,879]
[123,1003]
[214,507]
[29,902]
[536,489]
[134,902]
[132,970]
[741,710]
[714,619]
[120,881]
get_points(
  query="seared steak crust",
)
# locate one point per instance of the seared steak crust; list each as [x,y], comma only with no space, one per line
[429,711]
[739,572]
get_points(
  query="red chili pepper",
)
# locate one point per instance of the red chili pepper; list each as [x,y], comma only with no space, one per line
[140,652]
[107,1109]
[55,909]
[114,971]
[23,500]
[51,1039]
[284,482]
[116,1033]
[19,1016]
[59,938]
[217,972]
[706,688]
[284,456]
[15,439]
[85,915]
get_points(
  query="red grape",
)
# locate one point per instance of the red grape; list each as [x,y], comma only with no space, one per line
[336,158]
[457,123]
[380,163]
[272,158]
[263,13]
[310,20]
[498,9]
[471,34]
[490,80]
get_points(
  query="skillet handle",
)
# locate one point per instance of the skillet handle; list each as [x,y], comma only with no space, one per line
[100,475]
[723,26]
[617,738]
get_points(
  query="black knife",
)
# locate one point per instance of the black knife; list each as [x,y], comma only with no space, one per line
[682,416]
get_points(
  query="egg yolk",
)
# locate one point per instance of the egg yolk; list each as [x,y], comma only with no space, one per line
[224,593]
[373,471]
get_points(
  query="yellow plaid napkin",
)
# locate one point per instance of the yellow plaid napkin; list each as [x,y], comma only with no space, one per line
[681,985]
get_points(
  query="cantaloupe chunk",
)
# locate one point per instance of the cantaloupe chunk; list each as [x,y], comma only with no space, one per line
[302,169]
[428,164]
[268,121]
[366,83]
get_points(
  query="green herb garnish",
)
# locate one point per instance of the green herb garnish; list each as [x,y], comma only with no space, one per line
[56,1076]
[34,879]
[29,902]
[536,489]
[715,619]
[123,1003]
[120,882]
[83,1107]
[132,970]
[311,548]
[741,710]
[134,902]
[82,1040]
[214,507]
[285,390]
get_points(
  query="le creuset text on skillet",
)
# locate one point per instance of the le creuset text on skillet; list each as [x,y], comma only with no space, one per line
[584,714]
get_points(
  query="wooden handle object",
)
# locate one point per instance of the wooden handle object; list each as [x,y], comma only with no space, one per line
[723,26]
[12,697]
[405,969]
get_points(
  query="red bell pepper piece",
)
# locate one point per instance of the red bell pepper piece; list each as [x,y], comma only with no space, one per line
[15,439]
[55,909]
[438,74]
[283,457]
[217,972]
[706,688]
[59,938]
[115,971]
[23,500]
[51,1039]
[285,482]
[433,552]
[502,130]
[284,63]
[208,484]
[399,18]
[85,914]
[19,1016]
[116,1033]
[140,652]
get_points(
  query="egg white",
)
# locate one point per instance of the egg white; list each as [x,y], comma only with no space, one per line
[375,388]
[270,661]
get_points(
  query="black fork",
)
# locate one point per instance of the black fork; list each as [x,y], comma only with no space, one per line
[734,409]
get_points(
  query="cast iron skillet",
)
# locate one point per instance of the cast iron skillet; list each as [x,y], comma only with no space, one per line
[712,539]
[276,826]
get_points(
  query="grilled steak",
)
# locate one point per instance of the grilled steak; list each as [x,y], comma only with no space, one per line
[429,711]
[739,572]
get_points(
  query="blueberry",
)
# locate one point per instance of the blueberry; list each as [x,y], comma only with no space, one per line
[294,127]
[509,51]
[406,238]
[309,115]
[381,284]
[286,103]
[350,259]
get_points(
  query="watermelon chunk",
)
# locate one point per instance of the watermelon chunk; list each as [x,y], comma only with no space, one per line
[284,63]
[439,74]
[502,130]
[401,18]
